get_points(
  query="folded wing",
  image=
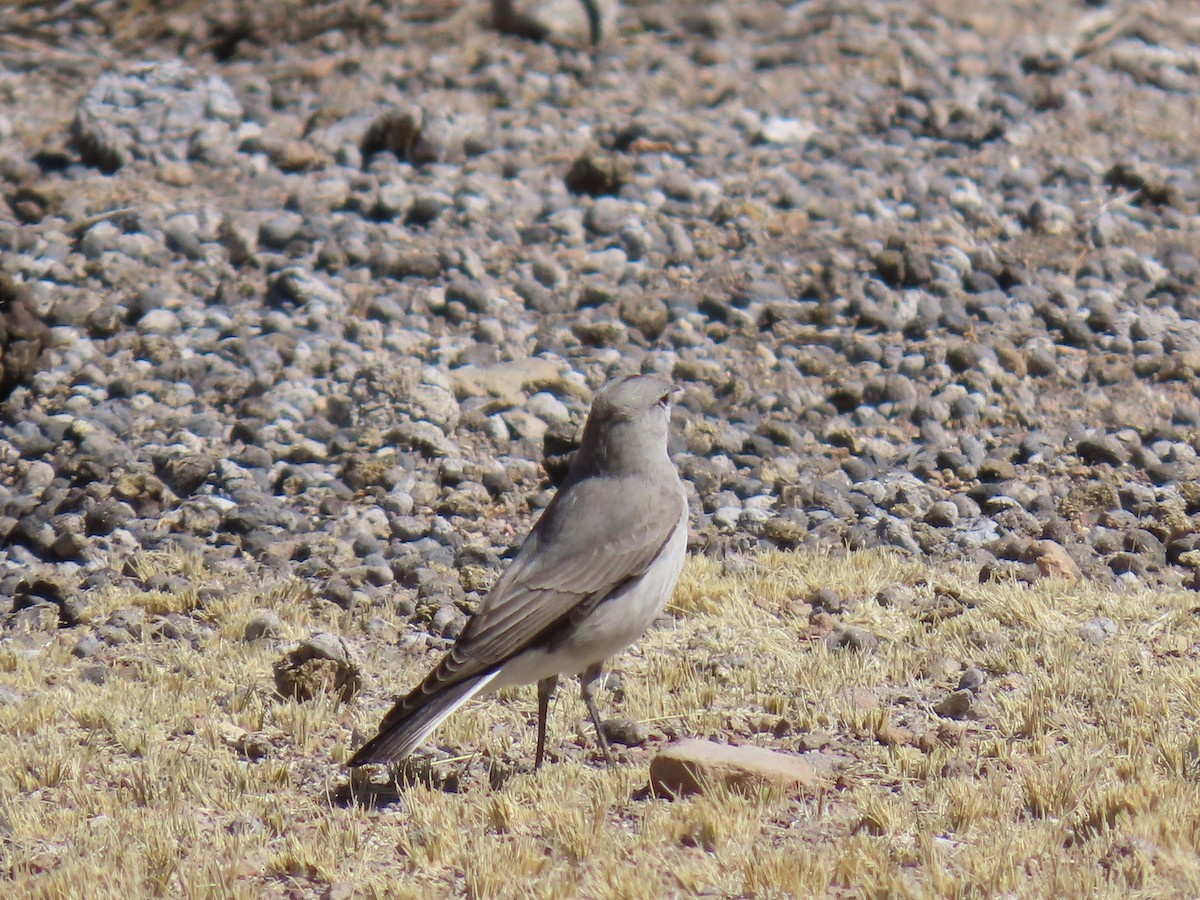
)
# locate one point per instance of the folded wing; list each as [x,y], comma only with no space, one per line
[557,571]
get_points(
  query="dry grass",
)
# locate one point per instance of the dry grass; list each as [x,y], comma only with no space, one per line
[1080,777]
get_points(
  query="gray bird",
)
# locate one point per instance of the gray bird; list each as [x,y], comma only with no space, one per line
[594,572]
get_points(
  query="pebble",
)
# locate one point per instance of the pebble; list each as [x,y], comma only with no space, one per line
[959,704]
[265,625]
[1097,631]
[625,732]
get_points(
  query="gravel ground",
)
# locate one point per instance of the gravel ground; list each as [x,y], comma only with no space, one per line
[318,293]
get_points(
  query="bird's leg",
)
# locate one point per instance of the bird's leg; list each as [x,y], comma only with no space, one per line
[587,684]
[595,22]
[545,694]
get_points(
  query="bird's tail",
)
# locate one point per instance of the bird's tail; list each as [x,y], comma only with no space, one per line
[412,718]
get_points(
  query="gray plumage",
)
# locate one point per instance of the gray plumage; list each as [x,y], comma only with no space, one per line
[594,572]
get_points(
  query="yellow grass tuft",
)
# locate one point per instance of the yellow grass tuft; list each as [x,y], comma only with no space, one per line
[157,770]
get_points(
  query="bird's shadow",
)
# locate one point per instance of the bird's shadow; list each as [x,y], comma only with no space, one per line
[365,788]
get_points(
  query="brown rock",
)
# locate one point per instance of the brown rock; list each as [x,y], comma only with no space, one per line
[185,472]
[894,735]
[851,637]
[364,470]
[625,732]
[647,314]
[179,174]
[956,705]
[598,173]
[1053,561]
[295,156]
[694,766]
[396,131]
[859,699]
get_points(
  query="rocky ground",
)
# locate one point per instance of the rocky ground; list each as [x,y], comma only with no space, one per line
[316,292]
[302,306]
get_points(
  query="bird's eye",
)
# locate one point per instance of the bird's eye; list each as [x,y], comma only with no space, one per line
[665,400]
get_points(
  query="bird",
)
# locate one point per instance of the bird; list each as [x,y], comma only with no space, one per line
[591,576]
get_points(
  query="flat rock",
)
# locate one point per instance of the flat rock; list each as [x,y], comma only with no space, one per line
[507,381]
[694,766]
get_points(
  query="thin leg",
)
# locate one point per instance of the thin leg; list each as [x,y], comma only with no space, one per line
[595,23]
[587,684]
[545,694]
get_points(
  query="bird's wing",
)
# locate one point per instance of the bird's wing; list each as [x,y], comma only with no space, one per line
[572,556]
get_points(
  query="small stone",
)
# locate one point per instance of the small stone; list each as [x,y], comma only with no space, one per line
[956,705]
[828,599]
[87,647]
[548,408]
[1102,448]
[941,514]
[184,472]
[264,626]
[851,637]
[649,315]
[448,621]
[626,732]
[777,130]
[1053,561]
[1097,631]
[597,173]
[894,736]
[319,664]
[697,766]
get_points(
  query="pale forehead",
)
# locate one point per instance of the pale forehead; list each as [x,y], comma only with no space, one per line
[635,390]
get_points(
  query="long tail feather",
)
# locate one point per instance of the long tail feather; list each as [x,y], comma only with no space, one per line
[401,731]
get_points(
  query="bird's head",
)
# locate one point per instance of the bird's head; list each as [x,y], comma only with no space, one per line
[627,427]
